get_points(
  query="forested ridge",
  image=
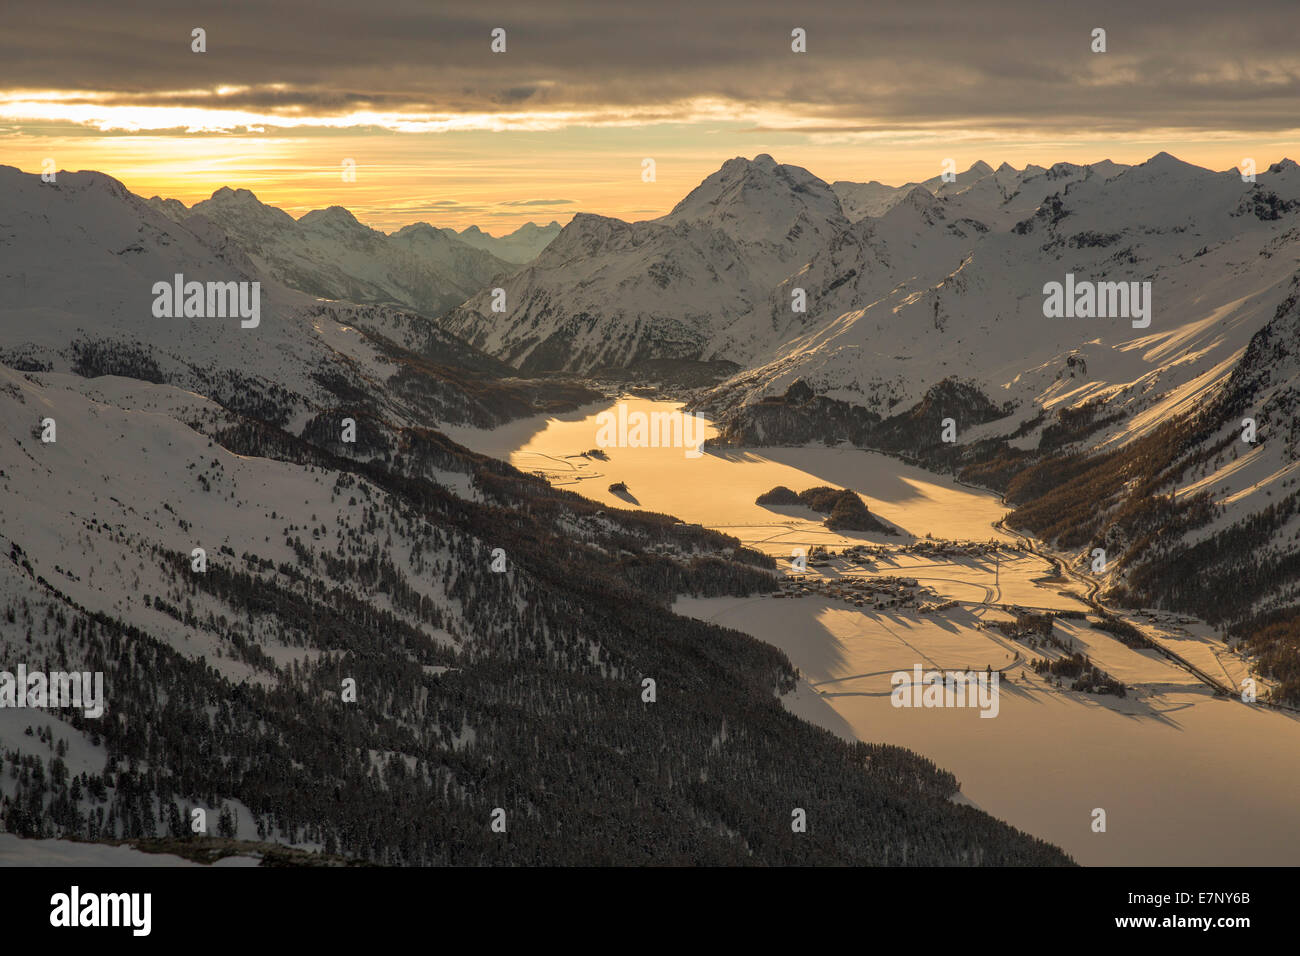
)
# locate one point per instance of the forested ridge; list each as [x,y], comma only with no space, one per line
[1166,550]
[522,689]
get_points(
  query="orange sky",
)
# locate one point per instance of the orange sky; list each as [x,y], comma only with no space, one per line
[500,180]
[445,128]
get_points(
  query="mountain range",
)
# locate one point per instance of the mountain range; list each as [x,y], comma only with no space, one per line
[328,253]
[521,246]
[324,623]
[467,600]
[611,293]
[867,313]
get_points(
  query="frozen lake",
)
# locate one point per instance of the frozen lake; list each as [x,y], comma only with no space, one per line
[1184,778]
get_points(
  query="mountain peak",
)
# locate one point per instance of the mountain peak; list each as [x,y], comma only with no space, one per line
[1165,164]
[420,229]
[331,215]
[1167,161]
[226,194]
[760,199]
[741,165]
[530,229]
[981,167]
[917,198]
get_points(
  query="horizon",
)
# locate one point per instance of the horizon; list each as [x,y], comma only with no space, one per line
[445,124]
[498,230]
[585,434]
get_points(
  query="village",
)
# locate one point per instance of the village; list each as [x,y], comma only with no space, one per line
[931,547]
[877,592]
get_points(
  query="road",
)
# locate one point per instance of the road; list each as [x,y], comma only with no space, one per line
[1092,586]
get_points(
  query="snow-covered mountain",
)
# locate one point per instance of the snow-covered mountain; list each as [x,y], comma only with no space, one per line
[938,309]
[608,292]
[328,253]
[376,560]
[860,200]
[714,278]
[302,356]
[778,214]
[913,245]
[523,245]
[902,301]
[993,196]
[366,648]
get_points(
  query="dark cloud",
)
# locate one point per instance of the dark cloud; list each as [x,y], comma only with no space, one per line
[517,94]
[539,202]
[1005,63]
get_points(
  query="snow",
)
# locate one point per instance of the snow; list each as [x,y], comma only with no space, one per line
[718,489]
[906,286]
[521,246]
[328,252]
[1186,778]
[81,503]
[15,851]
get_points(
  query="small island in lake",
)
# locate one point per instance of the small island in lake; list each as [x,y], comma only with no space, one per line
[845,509]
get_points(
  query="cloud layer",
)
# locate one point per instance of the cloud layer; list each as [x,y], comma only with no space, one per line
[870,68]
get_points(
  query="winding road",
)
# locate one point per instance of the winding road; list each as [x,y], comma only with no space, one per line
[1090,599]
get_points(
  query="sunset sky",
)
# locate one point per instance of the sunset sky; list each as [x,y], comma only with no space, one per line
[443,130]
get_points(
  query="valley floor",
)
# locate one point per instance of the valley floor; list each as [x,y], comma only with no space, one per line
[1185,777]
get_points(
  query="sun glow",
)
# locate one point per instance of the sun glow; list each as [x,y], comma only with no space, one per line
[499,169]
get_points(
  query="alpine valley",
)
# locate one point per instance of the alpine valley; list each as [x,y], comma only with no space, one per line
[375,645]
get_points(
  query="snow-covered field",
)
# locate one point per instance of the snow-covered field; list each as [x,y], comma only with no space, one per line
[1185,778]
[15,851]
[718,488]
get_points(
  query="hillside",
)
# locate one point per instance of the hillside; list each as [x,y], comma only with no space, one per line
[329,254]
[611,293]
[383,642]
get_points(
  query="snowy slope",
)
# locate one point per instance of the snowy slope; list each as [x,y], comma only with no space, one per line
[521,246]
[607,292]
[887,336]
[303,355]
[920,295]
[494,629]
[328,253]
[15,851]
[127,476]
